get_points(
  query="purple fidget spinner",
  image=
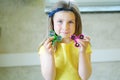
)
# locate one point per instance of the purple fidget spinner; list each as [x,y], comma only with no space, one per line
[74,37]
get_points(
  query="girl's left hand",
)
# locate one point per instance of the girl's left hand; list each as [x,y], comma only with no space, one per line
[84,44]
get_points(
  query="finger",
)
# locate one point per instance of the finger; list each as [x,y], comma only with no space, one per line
[84,42]
[49,45]
[87,38]
[49,40]
[50,50]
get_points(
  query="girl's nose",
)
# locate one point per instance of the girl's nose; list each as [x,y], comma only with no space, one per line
[65,26]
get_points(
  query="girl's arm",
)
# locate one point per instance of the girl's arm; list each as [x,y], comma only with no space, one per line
[84,68]
[47,61]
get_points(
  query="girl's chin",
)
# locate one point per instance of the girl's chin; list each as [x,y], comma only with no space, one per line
[65,36]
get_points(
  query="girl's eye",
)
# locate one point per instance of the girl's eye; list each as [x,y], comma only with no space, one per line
[71,22]
[60,21]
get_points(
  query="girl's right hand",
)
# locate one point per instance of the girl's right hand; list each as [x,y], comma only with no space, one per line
[48,45]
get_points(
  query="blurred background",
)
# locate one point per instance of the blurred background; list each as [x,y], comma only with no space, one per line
[23,25]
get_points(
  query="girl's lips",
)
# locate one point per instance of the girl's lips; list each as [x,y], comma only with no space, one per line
[65,32]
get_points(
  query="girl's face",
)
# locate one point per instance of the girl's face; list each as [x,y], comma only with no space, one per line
[64,23]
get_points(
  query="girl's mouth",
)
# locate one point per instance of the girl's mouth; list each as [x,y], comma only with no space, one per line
[65,32]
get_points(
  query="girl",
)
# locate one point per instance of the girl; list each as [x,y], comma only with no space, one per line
[65,61]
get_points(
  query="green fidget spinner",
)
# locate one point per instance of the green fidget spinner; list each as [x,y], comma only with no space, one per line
[56,37]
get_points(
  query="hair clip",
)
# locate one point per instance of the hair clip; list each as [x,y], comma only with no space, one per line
[56,37]
[74,37]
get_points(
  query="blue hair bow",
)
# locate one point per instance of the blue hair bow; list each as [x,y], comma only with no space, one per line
[56,10]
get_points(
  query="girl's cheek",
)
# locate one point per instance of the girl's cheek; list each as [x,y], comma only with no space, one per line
[58,25]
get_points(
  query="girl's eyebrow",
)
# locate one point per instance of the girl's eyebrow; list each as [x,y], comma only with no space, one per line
[63,19]
[72,20]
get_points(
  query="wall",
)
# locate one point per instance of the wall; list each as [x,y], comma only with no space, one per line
[23,24]
[103,28]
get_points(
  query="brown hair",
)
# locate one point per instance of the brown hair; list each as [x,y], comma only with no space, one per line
[74,9]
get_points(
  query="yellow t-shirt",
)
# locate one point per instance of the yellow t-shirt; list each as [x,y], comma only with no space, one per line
[66,61]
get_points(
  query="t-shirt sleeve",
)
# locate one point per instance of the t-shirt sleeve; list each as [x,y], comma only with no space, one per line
[41,50]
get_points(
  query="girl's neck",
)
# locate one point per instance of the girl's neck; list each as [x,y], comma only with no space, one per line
[66,40]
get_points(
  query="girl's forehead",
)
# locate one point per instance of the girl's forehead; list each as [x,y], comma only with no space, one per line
[64,14]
